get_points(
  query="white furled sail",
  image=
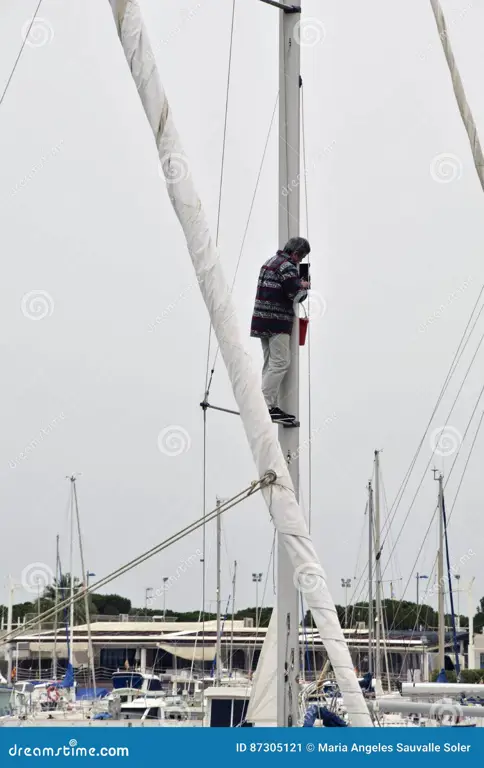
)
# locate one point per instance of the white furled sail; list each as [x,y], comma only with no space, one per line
[262,708]
[465,111]
[279,497]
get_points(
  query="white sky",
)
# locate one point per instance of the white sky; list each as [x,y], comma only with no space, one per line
[86,219]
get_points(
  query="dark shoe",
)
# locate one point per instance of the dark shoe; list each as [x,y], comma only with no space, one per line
[278,416]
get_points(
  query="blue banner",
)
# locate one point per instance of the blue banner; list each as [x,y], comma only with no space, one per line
[136,746]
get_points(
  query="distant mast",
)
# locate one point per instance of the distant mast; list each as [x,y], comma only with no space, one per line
[370,579]
[440,573]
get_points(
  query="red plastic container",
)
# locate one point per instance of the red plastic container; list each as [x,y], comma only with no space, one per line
[303,329]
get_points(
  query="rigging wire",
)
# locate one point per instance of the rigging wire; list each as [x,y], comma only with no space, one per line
[434,566]
[450,373]
[219,208]
[209,378]
[428,425]
[434,450]
[267,480]
[244,237]
[222,165]
[306,206]
[17,60]
[465,467]
[204,533]
[360,580]
[429,528]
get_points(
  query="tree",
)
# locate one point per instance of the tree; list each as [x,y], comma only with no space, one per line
[63,585]
[479,621]
[111,605]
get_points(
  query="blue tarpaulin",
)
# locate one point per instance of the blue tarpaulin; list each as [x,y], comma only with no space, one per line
[88,693]
[330,719]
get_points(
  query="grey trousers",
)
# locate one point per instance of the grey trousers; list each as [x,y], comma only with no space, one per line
[277,359]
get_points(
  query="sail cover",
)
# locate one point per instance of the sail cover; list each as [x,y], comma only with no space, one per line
[280,498]
[465,110]
[262,707]
[190,652]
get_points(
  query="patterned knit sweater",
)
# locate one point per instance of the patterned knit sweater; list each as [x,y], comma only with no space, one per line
[279,286]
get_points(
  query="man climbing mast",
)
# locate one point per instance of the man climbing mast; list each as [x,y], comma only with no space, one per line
[279,289]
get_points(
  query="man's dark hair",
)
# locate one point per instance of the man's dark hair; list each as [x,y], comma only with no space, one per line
[298,246]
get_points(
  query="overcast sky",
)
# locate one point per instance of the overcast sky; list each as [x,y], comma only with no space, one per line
[395,224]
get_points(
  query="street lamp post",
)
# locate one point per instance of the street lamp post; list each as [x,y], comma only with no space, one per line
[88,574]
[165,579]
[147,596]
[257,578]
[346,584]
[423,664]
[418,577]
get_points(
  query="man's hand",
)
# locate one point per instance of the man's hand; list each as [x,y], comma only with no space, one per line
[304,284]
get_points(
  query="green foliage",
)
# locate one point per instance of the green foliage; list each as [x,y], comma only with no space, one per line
[472,675]
[451,676]
[110,605]
[466,676]
[63,586]
[479,621]
[403,615]
[264,615]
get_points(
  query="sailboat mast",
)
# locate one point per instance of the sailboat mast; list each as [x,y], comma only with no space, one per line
[470,610]
[234,581]
[441,576]
[54,661]
[86,594]
[218,661]
[9,629]
[377,569]
[71,575]
[268,455]
[289,215]
[370,578]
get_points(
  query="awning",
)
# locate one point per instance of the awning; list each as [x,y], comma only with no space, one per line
[196,652]
[61,648]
